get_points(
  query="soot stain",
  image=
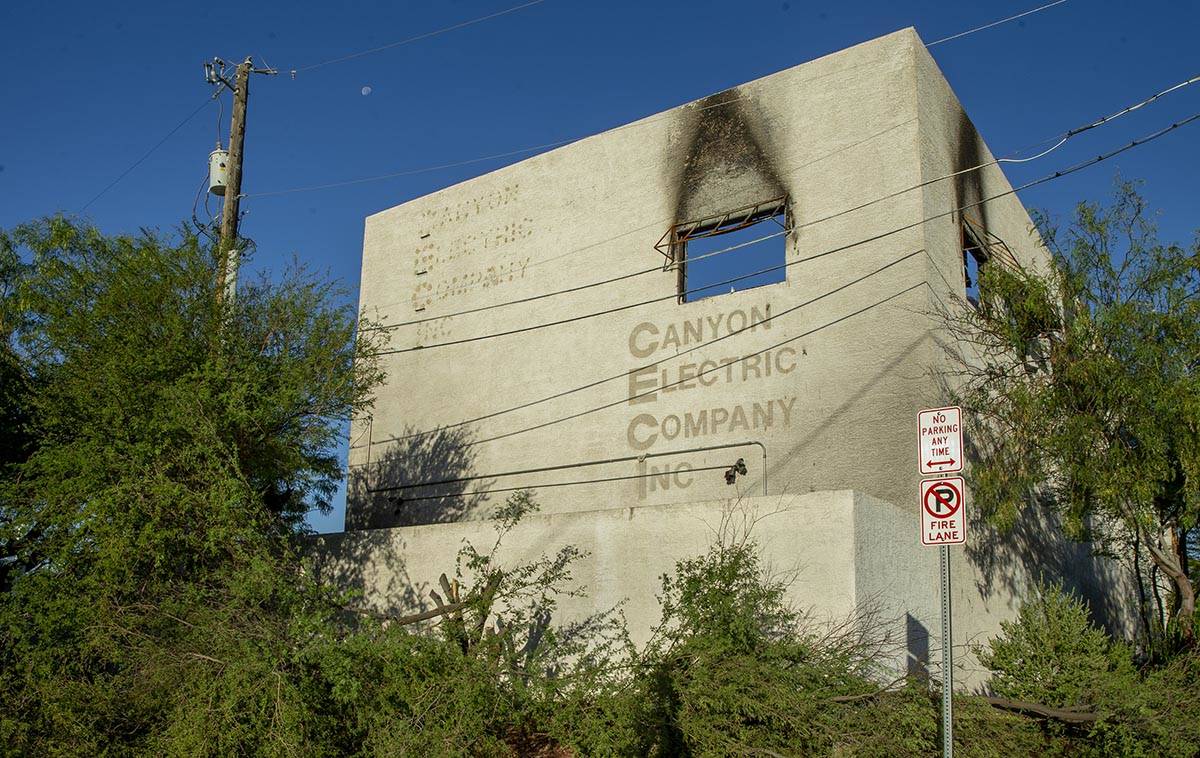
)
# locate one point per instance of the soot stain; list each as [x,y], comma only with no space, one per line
[968,186]
[721,144]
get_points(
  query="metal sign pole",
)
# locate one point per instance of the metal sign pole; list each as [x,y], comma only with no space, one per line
[947,658]
[943,523]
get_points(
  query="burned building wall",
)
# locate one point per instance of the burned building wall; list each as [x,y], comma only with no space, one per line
[820,370]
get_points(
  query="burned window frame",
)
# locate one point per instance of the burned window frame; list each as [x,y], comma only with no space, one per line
[972,242]
[673,244]
[977,241]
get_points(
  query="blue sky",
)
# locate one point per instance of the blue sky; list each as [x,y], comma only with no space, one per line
[89,87]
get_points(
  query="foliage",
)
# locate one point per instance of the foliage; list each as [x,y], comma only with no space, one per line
[732,670]
[1084,385]
[173,448]
[1053,654]
[1156,715]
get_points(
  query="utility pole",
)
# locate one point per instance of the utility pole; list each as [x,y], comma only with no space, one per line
[227,246]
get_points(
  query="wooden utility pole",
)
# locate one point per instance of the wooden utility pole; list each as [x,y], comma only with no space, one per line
[228,249]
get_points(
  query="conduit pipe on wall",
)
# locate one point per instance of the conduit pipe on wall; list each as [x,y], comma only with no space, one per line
[564,466]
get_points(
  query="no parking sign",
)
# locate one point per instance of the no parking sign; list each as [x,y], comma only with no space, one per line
[943,517]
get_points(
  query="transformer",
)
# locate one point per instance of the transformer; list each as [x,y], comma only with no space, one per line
[218,170]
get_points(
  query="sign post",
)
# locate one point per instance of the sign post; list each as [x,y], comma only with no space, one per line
[943,523]
[947,657]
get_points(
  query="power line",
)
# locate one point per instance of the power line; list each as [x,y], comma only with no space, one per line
[478,159]
[1062,138]
[509,153]
[628,306]
[577,464]
[412,171]
[1042,180]
[146,155]
[617,309]
[1131,108]
[597,243]
[660,361]
[416,38]
[660,388]
[996,23]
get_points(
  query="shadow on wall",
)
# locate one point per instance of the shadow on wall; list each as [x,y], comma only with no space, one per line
[389,491]
[916,647]
[819,479]
[370,565]
[1011,561]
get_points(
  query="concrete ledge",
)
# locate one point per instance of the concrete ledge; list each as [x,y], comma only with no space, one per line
[842,552]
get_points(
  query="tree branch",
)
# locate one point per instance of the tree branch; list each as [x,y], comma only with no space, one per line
[1064,715]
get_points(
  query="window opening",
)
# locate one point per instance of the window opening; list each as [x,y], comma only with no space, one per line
[974,255]
[700,253]
[981,248]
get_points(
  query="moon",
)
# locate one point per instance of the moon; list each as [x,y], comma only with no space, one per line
[366,90]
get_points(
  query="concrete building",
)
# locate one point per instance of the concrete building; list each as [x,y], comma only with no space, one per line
[576,309]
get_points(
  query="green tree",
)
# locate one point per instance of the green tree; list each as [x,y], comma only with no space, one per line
[1053,654]
[1083,382]
[171,449]
[15,437]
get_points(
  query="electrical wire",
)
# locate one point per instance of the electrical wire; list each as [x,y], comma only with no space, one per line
[1129,109]
[996,23]
[566,466]
[617,308]
[202,228]
[477,159]
[411,172]
[524,150]
[1062,138]
[146,155]
[660,388]
[220,113]
[628,306]
[418,37]
[1041,180]
[660,361]
[606,240]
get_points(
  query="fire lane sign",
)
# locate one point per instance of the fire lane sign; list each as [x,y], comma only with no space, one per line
[943,517]
[939,434]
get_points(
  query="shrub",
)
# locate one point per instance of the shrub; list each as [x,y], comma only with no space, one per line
[1053,654]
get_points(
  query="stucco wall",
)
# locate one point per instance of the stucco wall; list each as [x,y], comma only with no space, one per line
[833,406]
[844,555]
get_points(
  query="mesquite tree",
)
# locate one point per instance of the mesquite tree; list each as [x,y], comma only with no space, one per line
[1084,385]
